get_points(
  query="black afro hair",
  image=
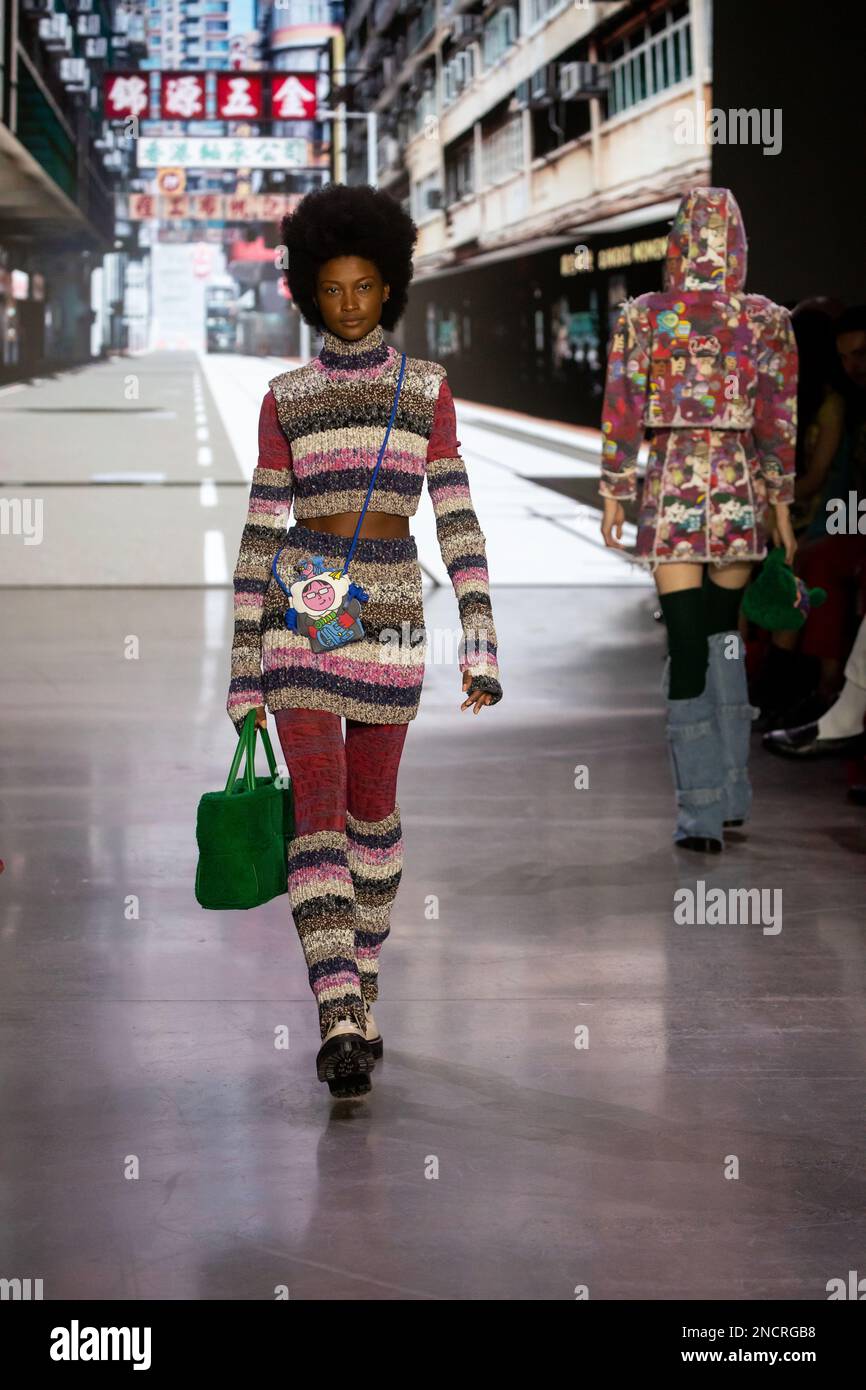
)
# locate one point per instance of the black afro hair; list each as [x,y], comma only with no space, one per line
[339,220]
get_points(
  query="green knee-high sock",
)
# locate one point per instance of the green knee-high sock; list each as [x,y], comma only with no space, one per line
[687,642]
[721,607]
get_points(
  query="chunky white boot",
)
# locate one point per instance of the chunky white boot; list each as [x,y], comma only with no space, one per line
[372,1034]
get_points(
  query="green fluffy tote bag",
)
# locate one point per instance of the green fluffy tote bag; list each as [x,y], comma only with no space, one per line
[243,832]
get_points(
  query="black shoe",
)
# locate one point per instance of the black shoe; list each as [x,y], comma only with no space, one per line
[704,844]
[345,1062]
[804,742]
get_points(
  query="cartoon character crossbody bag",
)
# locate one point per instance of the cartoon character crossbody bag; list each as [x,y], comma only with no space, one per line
[323,604]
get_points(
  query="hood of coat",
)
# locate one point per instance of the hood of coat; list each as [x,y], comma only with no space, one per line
[707,243]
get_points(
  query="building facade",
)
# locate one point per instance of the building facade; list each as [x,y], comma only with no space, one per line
[537,144]
[57,179]
[187,34]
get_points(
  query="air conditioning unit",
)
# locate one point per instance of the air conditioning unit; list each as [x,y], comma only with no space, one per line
[579,81]
[75,74]
[87,25]
[56,33]
[96,48]
[434,198]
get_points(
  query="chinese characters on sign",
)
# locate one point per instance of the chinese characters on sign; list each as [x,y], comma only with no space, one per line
[293,97]
[126,94]
[182,96]
[223,152]
[239,96]
[211,207]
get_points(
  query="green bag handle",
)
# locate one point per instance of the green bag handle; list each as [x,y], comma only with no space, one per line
[247,745]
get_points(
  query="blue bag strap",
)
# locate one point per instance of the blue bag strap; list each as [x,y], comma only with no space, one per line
[378,463]
[391,420]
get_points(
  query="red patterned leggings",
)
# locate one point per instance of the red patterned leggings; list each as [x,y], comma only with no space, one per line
[346,858]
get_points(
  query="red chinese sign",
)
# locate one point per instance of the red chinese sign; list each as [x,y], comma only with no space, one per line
[126,94]
[182,96]
[239,97]
[293,96]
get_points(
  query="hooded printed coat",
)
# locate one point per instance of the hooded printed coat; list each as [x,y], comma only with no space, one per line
[712,372]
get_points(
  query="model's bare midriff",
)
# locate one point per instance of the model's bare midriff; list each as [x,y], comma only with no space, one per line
[376,525]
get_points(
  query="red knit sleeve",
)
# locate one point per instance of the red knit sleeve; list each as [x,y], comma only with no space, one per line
[275,451]
[443,443]
[268,509]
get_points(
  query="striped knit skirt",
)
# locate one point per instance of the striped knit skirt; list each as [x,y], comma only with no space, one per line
[376,679]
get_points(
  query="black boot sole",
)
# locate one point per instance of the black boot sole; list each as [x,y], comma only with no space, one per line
[345,1062]
[702,844]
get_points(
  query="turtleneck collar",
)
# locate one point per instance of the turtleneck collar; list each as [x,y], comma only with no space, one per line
[341,355]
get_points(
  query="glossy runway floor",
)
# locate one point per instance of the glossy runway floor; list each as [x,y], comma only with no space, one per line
[707,1142]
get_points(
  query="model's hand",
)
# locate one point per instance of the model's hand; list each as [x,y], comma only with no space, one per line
[261,718]
[613,518]
[478,699]
[782,531]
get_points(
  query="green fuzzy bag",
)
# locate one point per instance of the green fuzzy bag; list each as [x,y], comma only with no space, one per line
[778,600]
[243,832]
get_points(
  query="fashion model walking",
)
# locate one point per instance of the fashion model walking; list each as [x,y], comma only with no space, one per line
[321,431]
[711,373]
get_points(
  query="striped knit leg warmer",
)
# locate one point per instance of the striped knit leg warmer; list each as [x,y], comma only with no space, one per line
[376,865]
[374,832]
[321,892]
[323,906]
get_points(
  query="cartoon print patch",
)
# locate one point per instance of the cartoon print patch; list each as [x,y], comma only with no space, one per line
[325,606]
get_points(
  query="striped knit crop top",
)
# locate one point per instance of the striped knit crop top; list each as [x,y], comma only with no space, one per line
[320,430]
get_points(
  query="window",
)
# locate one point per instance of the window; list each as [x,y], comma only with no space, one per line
[540,10]
[502,152]
[457,74]
[424,112]
[498,34]
[425,197]
[649,59]
[459,172]
[421,26]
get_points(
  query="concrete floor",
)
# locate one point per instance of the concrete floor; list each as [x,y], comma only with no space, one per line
[152,1040]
